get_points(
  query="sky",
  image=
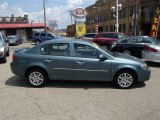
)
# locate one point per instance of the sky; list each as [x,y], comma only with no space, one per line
[55,9]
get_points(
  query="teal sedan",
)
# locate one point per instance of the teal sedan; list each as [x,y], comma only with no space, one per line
[70,59]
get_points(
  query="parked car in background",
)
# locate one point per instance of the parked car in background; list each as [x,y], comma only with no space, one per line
[132,45]
[4,48]
[77,60]
[14,40]
[107,38]
[151,53]
[39,37]
[88,37]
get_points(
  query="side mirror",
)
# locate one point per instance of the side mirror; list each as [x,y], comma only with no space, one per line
[102,57]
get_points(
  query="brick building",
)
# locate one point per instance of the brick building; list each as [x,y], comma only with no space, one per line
[107,21]
[19,26]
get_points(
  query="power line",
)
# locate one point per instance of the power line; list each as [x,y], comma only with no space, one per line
[66,3]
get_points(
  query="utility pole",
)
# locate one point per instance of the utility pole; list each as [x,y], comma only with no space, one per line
[44,8]
[117,16]
[135,18]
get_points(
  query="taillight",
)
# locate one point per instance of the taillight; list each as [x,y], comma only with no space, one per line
[148,48]
[14,58]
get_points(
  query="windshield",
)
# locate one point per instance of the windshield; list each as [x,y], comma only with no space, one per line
[103,48]
[11,37]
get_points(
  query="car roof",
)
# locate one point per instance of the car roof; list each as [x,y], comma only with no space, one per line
[64,40]
[111,32]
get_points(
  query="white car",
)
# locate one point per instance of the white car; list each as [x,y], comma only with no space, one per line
[4,48]
[151,53]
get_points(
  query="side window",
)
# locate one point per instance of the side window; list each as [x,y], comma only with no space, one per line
[36,34]
[45,49]
[123,41]
[85,51]
[132,40]
[49,35]
[43,34]
[148,40]
[59,49]
[140,40]
[0,38]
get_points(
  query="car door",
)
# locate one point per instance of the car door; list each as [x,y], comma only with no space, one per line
[43,37]
[87,66]
[57,59]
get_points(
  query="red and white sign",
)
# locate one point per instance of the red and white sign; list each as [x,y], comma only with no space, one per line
[79,13]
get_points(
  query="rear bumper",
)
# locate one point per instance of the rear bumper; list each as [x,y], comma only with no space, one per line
[150,56]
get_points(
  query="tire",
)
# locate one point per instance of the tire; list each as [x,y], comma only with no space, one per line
[125,79]
[127,52]
[37,42]
[7,54]
[37,77]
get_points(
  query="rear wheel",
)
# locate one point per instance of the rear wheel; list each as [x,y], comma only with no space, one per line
[37,77]
[127,52]
[124,79]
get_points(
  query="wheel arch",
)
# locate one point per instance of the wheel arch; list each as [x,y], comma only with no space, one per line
[35,67]
[127,69]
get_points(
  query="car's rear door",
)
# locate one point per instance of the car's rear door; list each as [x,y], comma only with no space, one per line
[58,60]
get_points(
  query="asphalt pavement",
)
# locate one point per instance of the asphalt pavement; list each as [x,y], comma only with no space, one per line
[77,100]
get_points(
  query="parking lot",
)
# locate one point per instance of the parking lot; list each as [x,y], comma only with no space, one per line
[77,100]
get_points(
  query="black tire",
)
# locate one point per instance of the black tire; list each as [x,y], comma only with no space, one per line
[34,77]
[124,79]
[127,52]
[7,54]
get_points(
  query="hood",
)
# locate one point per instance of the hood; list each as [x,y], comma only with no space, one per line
[126,57]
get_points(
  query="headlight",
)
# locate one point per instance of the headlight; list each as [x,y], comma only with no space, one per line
[144,66]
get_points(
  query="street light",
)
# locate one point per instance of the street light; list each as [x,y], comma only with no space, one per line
[116,9]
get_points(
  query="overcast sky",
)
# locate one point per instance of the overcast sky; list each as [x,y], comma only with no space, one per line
[55,9]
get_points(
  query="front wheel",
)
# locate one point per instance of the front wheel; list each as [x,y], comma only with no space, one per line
[124,79]
[37,77]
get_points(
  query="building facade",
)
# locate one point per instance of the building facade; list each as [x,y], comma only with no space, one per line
[19,26]
[135,16]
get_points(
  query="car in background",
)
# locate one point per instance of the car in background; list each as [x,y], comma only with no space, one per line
[88,37]
[107,38]
[39,37]
[151,53]
[4,48]
[133,45]
[14,40]
[77,60]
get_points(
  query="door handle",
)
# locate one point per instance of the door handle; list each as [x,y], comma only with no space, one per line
[80,62]
[48,60]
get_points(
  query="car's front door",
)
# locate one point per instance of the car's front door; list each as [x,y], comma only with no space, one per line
[87,66]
